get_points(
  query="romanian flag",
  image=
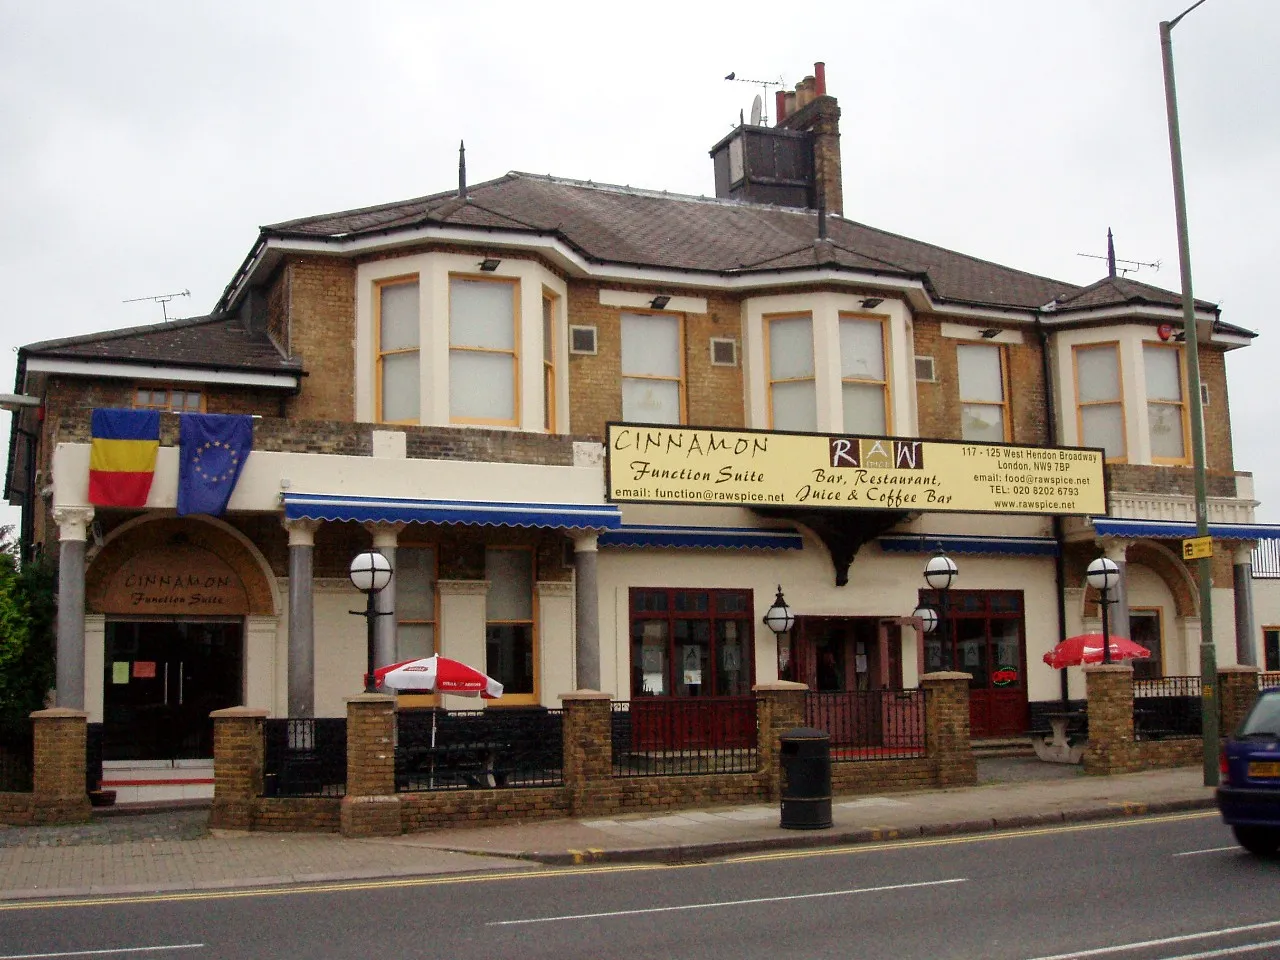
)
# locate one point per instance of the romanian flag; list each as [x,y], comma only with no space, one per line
[122,460]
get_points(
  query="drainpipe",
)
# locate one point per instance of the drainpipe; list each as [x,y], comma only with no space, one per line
[1059,563]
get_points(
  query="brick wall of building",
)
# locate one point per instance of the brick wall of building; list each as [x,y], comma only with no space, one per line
[322,333]
[714,395]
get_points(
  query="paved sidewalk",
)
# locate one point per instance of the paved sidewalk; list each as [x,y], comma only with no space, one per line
[175,850]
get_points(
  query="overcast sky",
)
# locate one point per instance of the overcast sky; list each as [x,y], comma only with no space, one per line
[141,144]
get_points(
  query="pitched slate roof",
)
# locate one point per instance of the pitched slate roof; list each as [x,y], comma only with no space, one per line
[622,225]
[213,341]
[1121,291]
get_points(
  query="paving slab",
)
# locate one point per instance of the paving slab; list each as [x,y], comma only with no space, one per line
[175,850]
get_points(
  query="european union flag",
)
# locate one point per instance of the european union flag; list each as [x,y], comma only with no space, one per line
[212,449]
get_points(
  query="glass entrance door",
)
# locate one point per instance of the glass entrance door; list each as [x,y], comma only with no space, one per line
[162,680]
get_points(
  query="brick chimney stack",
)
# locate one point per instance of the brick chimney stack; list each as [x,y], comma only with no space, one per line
[810,110]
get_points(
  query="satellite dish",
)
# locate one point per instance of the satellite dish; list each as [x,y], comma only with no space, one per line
[756,106]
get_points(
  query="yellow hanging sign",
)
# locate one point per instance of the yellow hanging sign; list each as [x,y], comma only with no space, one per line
[1197,548]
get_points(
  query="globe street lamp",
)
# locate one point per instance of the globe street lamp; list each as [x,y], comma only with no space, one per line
[940,573]
[780,619]
[1103,575]
[370,573]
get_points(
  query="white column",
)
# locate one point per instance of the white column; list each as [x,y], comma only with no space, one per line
[1246,632]
[1118,611]
[385,538]
[587,612]
[73,528]
[302,620]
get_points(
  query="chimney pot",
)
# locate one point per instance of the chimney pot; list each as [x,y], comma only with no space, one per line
[780,106]
[820,76]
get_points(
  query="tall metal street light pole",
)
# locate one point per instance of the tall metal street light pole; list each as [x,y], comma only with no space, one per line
[1208,655]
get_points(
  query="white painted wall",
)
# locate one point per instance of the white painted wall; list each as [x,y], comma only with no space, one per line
[268,473]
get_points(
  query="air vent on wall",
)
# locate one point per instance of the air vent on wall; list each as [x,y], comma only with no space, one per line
[724,352]
[924,369]
[582,340]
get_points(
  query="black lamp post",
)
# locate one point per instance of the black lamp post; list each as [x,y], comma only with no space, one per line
[370,573]
[779,618]
[940,573]
[1103,574]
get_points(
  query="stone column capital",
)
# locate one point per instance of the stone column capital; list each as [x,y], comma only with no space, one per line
[1115,548]
[73,522]
[1243,553]
[302,533]
[586,543]
[385,535]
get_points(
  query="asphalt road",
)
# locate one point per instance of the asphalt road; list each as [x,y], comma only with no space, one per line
[1133,890]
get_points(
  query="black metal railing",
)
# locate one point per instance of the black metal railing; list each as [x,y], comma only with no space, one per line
[461,749]
[869,724]
[305,758]
[660,736]
[1167,708]
[17,747]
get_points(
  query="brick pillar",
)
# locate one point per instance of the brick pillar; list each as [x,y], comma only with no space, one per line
[58,790]
[588,750]
[946,724]
[1237,690]
[237,766]
[1109,691]
[371,807]
[779,708]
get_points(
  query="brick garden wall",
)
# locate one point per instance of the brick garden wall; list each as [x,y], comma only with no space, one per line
[589,789]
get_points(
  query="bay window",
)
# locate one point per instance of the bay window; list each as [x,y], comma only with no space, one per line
[483,353]
[984,403]
[548,363]
[652,369]
[1167,422]
[793,401]
[864,385]
[1100,399]
[396,322]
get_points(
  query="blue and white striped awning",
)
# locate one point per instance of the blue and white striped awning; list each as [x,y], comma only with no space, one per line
[1113,527]
[723,538]
[556,516]
[962,543]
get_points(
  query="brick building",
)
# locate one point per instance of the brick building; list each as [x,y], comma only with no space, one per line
[435,377]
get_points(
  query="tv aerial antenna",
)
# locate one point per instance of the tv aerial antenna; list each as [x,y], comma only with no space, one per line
[161,299]
[759,115]
[1114,264]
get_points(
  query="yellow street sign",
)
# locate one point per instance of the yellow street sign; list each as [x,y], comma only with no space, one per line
[1196,548]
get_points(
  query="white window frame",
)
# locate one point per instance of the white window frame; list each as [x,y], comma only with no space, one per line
[680,380]
[1002,358]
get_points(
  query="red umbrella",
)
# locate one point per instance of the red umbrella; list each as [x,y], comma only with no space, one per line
[437,674]
[1087,648]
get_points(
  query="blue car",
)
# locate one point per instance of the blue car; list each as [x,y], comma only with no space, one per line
[1249,767]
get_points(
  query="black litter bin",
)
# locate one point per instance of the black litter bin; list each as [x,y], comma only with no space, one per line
[806,779]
